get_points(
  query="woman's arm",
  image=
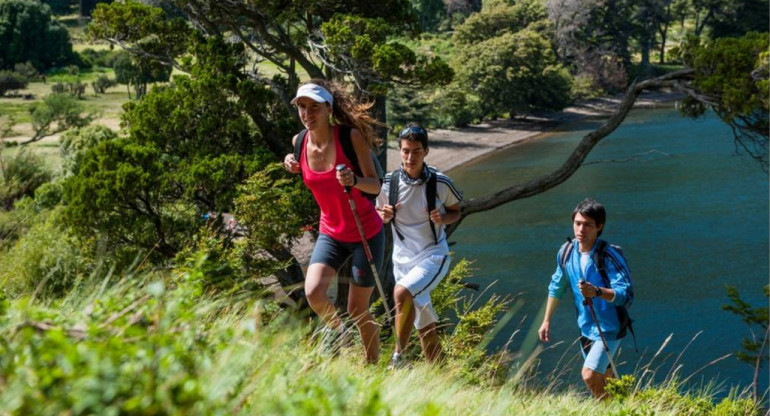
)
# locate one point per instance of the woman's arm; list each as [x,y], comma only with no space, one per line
[289,162]
[369,182]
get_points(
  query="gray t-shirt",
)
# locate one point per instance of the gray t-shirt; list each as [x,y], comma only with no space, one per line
[412,219]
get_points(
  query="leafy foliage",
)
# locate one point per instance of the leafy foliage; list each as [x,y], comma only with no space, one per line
[59,7]
[57,113]
[187,148]
[269,194]
[46,260]
[11,81]
[160,343]
[593,37]
[20,174]
[29,33]
[514,73]
[361,46]
[505,57]
[643,400]
[139,74]
[102,83]
[732,74]
[755,346]
[74,143]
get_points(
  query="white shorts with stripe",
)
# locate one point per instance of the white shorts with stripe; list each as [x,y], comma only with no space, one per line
[420,278]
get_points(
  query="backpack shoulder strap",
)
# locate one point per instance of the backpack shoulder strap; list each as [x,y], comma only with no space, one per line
[298,144]
[599,256]
[347,148]
[564,253]
[393,186]
[430,195]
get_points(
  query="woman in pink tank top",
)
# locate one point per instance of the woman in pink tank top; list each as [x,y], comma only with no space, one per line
[324,108]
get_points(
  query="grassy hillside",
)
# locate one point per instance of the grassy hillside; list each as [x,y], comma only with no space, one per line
[157,344]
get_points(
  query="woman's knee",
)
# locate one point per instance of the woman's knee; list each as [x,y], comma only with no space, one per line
[317,282]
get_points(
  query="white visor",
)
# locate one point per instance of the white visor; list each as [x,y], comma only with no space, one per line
[316,92]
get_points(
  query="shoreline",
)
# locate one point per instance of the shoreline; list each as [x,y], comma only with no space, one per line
[449,149]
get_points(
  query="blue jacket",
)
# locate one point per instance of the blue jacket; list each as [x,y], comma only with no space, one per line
[605,310]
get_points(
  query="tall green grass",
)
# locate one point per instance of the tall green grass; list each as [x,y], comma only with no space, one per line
[158,343]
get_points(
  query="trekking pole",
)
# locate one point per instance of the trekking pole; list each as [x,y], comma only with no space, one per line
[368,252]
[590,303]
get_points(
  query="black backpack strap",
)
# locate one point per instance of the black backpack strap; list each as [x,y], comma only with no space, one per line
[298,144]
[564,253]
[347,148]
[599,261]
[430,195]
[393,198]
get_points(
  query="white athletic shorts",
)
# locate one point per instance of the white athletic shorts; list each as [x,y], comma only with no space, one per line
[420,278]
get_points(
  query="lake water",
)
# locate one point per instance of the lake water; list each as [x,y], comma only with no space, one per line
[690,214]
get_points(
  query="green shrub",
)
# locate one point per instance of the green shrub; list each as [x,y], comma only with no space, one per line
[21,173]
[74,143]
[48,195]
[102,58]
[46,260]
[583,87]
[102,83]
[7,122]
[16,222]
[11,81]
[58,88]
[27,70]
[456,107]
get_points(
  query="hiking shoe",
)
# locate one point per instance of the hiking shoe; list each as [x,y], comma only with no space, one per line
[333,340]
[397,361]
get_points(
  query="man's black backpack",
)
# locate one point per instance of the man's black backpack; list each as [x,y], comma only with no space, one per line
[430,195]
[347,148]
[601,256]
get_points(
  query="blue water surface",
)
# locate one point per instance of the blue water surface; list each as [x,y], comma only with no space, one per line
[690,214]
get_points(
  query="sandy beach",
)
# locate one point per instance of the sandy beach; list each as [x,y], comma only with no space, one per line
[452,148]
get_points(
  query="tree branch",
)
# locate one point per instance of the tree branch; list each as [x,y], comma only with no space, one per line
[578,156]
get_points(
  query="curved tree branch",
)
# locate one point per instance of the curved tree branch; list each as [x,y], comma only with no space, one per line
[578,156]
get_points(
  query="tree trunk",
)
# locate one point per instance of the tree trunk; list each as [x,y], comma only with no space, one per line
[379,111]
[646,47]
[663,35]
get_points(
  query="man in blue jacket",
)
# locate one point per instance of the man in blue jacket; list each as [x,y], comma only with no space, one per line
[577,270]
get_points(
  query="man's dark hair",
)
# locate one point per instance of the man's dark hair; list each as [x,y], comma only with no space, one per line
[415,133]
[593,210]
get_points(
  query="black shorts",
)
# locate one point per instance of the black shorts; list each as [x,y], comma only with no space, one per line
[333,253]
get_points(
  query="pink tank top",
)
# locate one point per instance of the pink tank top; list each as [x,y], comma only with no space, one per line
[336,215]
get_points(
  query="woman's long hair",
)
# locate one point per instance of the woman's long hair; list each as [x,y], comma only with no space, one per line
[346,110]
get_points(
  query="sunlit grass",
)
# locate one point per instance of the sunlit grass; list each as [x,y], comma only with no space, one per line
[250,358]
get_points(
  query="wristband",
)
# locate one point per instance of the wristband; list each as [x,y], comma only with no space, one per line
[355,180]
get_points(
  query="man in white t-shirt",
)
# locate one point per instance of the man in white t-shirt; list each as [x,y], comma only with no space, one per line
[420,251]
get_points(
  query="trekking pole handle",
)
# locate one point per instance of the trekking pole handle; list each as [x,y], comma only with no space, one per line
[586,301]
[340,168]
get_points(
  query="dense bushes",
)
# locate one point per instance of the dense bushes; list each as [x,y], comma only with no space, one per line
[29,33]
[46,260]
[21,172]
[74,143]
[10,81]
